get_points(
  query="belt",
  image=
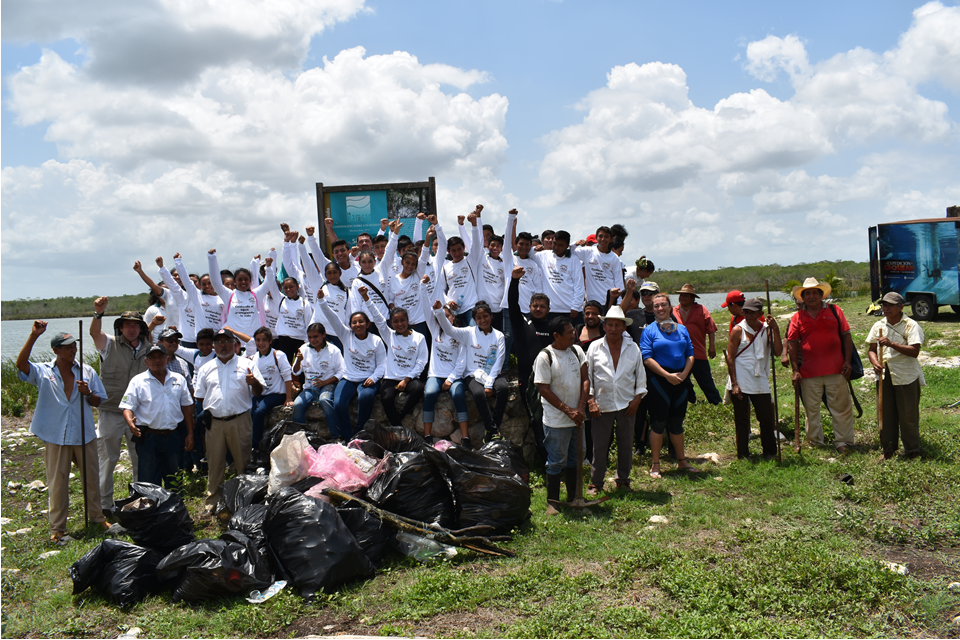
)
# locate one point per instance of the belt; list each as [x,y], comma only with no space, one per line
[229,418]
[159,432]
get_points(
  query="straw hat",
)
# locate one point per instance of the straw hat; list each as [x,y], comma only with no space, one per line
[616,313]
[688,288]
[811,283]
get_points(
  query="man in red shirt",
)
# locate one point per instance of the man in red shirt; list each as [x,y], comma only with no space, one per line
[700,325]
[819,337]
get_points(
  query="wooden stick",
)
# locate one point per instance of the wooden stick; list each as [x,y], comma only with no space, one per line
[880,388]
[465,538]
[773,370]
[83,439]
[796,416]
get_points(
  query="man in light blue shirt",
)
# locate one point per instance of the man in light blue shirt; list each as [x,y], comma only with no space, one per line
[63,392]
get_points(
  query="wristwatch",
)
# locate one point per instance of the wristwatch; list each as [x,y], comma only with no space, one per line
[97,316]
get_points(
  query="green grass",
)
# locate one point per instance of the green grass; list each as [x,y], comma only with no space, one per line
[752,549]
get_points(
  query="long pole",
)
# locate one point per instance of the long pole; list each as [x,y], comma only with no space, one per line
[796,416]
[773,371]
[880,389]
[83,440]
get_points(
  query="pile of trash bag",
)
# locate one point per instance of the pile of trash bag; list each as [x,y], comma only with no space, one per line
[126,573]
[155,518]
[281,527]
[311,544]
[213,568]
[239,492]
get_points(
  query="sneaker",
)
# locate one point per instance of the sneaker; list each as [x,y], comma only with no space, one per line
[428,439]
[465,443]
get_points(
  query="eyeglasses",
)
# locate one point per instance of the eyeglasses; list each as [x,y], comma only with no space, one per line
[172,340]
[646,293]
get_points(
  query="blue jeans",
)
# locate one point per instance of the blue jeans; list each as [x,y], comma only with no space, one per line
[432,389]
[321,395]
[342,397]
[262,406]
[158,458]
[561,445]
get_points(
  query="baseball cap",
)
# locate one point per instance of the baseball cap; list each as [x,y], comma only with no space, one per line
[62,339]
[734,296]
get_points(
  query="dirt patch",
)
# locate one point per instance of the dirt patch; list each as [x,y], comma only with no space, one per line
[925,564]
[484,621]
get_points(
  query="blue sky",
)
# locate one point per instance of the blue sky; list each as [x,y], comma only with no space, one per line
[754,133]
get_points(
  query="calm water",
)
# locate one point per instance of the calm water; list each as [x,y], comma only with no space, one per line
[13,333]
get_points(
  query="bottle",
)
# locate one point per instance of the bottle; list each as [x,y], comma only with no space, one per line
[490,360]
[422,549]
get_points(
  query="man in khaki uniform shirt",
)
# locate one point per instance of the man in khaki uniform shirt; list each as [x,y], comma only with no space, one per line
[900,338]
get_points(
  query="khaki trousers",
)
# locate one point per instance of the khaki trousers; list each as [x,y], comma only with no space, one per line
[58,459]
[236,435]
[112,430]
[839,402]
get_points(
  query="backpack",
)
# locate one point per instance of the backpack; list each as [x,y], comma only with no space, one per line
[534,404]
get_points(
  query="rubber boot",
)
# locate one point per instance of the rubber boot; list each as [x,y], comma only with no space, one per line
[570,479]
[553,492]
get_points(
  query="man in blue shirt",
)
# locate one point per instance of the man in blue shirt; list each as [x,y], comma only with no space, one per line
[56,420]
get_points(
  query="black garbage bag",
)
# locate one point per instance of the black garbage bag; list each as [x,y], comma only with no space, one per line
[306,484]
[212,568]
[371,533]
[239,492]
[271,440]
[155,518]
[508,455]
[250,522]
[311,543]
[397,439]
[371,448]
[413,486]
[489,498]
[124,572]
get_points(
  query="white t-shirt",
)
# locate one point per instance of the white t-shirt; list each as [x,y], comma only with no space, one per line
[602,272]
[563,376]
[275,370]
[320,364]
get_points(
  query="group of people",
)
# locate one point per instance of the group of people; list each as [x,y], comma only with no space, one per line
[193,380]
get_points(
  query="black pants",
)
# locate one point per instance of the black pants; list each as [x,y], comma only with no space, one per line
[288,346]
[491,422]
[394,409]
[763,407]
[535,425]
[704,377]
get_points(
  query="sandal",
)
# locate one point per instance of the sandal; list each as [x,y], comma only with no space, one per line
[591,491]
[689,468]
[655,474]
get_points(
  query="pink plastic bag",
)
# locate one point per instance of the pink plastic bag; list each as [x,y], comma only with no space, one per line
[442,445]
[343,468]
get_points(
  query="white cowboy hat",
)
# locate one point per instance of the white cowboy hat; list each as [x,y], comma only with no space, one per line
[616,313]
[811,283]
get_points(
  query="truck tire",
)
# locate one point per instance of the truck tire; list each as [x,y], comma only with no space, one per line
[924,308]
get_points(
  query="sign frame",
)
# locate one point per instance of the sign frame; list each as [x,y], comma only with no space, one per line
[427,201]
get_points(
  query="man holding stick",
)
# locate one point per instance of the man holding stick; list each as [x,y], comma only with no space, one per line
[820,333]
[895,344]
[64,391]
[748,361]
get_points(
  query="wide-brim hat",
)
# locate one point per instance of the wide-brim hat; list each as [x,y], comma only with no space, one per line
[130,315]
[811,283]
[688,288]
[616,313]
